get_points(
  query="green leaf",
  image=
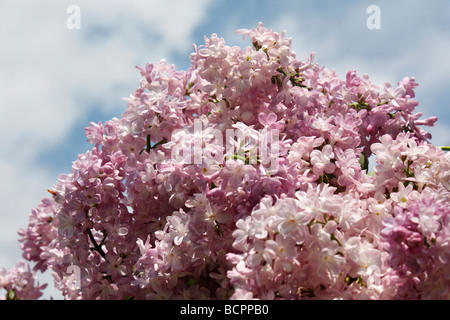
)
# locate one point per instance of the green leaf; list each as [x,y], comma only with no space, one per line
[364,162]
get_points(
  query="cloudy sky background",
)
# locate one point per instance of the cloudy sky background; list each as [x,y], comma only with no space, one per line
[54,81]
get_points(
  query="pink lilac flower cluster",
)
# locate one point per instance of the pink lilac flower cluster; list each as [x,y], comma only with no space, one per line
[417,233]
[20,283]
[139,218]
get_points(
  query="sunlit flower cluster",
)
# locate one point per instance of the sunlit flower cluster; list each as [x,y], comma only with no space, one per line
[160,209]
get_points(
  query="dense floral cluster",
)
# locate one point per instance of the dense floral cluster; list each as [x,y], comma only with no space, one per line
[161,210]
[20,283]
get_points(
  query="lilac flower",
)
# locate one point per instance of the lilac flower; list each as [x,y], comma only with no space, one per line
[281,247]
[289,216]
[234,173]
[327,263]
[403,195]
[321,160]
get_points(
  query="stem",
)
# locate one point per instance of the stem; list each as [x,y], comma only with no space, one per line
[445,148]
[238,157]
[149,144]
[148,139]
[158,143]
[333,237]
[96,246]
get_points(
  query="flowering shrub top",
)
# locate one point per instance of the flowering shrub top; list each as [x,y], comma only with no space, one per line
[160,209]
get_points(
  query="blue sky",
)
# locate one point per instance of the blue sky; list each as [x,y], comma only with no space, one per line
[54,81]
